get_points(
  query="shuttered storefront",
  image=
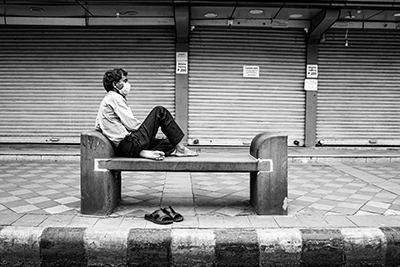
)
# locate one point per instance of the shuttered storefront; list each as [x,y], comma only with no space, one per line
[51,78]
[359,92]
[226,108]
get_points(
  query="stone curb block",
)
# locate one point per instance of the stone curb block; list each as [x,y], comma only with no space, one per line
[30,246]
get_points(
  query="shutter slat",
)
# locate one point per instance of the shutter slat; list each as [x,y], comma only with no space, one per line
[358,95]
[227,109]
[52,77]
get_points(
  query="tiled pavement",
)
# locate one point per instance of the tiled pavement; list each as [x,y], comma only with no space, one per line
[333,193]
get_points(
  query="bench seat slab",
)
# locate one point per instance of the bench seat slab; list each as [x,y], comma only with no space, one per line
[205,162]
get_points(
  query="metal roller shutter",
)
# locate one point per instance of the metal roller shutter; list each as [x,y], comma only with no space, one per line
[227,109]
[359,93]
[51,78]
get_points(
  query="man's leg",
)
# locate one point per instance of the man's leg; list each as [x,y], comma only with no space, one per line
[163,145]
[158,117]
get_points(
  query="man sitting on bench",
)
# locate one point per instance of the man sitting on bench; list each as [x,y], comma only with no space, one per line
[131,137]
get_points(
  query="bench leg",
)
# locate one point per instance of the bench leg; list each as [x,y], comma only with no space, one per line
[100,189]
[267,194]
[269,190]
[100,192]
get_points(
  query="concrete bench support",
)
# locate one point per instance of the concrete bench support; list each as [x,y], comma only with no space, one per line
[266,163]
[269,190]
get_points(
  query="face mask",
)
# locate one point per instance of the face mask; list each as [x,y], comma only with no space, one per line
[126,89]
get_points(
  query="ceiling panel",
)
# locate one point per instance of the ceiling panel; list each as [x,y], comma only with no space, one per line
[287,13]
[130,11]
[205,12]
[35,10]
[159,10]
[244,12]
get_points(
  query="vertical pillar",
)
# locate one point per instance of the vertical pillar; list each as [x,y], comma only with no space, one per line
[181,78]
[311,98]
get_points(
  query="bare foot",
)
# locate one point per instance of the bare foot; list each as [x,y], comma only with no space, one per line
[184,152]
[152,154]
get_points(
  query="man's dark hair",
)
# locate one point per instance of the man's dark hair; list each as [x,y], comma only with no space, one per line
[112,76]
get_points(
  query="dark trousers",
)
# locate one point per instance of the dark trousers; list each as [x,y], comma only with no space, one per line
[145,137]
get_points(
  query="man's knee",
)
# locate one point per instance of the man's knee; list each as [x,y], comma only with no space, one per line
[161,108]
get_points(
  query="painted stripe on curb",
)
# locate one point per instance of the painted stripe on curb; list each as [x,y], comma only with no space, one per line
[31,246]
[149,247]
[106,246]
[19,246]
[236,247]
[392,235]
[193,247]
[364,246]
[279,247]
[322,247]
[63,247]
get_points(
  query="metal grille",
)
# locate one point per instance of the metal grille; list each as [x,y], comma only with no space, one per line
[359,93]
[226,108]
[51,78]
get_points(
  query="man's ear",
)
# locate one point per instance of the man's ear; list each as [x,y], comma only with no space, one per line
[118,86]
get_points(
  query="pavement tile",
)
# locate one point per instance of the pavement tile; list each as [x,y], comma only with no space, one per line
[361,196]
[308,199]
[8,199]
[372,209]
[261,221]
[344,210]
[322,206]
[24,208]
[335,197]
[339,221]
[289,222]
[108,223]
[38,199]
[30,220]
[237,222]
[132,222]
[188,222]
[82,221]
[57,221]
[208,221]
[8,218]
[365,220]
[58,209]
[377,204]
[313,221]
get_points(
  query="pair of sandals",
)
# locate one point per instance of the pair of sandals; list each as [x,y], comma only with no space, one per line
[164,216]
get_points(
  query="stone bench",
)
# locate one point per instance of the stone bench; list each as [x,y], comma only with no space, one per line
[266,163]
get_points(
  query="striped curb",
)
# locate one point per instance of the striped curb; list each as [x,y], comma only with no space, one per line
[30,246]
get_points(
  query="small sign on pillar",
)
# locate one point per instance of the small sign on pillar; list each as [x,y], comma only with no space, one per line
[312,71]
[182,63]
[311,84]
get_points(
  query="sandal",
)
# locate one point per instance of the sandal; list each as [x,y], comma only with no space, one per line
[159,217]
[174,215]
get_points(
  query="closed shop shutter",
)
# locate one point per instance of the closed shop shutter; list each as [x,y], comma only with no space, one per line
[51,78]
[359,92]
[226,108]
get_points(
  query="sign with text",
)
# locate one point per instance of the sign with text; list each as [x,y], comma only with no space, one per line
[311,84]
[251,71]
[312,71]
[182,63]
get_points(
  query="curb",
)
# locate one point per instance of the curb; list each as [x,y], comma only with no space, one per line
[32,246]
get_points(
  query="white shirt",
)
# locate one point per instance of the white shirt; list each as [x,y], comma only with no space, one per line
[115,118]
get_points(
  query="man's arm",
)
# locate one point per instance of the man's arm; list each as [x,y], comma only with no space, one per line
[125,114]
